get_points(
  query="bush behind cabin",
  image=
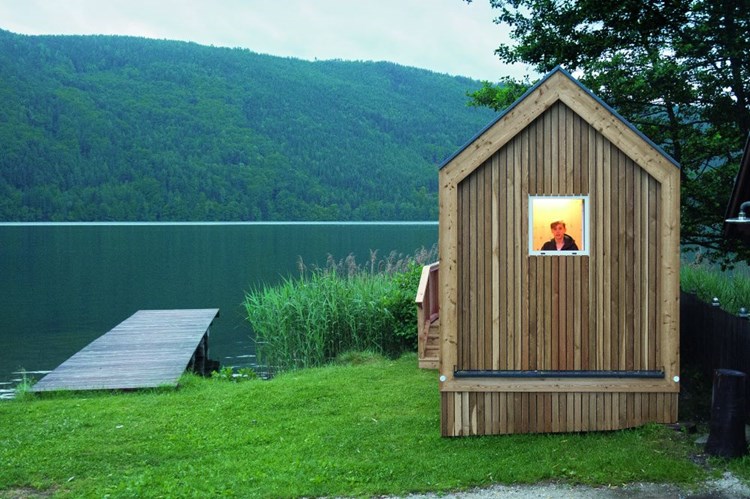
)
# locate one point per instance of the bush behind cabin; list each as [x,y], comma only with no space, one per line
[311,319]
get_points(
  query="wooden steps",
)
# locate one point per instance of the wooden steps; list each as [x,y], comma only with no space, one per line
[428,317]
[429,357]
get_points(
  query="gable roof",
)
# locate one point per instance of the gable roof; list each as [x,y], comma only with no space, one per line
[557,85]
[740,194]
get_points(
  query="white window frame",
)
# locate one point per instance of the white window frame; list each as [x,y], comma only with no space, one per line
[583,245]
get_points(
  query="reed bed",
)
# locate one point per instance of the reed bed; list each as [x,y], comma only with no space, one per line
[310,319]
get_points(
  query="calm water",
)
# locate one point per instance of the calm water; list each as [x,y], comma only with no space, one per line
[63,285]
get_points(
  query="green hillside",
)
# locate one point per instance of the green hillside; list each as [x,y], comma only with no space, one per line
[101,128]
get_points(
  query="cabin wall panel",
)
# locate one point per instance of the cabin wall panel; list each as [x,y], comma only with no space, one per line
[551,412]
[522,312]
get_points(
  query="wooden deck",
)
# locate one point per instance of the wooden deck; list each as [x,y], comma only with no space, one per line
[151,348]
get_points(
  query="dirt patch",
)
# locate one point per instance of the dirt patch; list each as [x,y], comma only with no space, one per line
[25,493]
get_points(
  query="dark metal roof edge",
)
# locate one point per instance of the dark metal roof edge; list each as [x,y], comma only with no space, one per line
[582,87]
[644,374]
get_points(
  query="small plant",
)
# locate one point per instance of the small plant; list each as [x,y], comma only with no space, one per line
[246,373]
[227,373]
[23,388]
[224,373]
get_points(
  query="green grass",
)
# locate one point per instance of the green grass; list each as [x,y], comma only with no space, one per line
[341,430]
[708,281]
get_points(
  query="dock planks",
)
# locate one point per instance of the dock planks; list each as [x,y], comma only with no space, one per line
[151,348]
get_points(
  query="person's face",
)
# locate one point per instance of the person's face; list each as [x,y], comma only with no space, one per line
[558,232]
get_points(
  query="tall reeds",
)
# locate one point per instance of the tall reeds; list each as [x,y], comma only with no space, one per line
[309,320]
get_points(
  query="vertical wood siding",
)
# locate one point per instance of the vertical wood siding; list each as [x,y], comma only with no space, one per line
[522,312]
[615,309]
[491,413]
[516,311]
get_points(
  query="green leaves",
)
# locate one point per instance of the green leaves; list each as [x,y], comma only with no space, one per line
[500,96]
[678,70]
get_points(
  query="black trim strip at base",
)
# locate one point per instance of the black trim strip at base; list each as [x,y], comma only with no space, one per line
[557,374]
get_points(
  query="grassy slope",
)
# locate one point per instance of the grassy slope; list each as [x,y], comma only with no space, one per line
[339,430]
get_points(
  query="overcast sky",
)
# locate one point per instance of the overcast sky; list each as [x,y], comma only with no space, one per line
[446,36]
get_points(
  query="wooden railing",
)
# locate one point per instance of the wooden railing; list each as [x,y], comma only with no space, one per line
[428,305]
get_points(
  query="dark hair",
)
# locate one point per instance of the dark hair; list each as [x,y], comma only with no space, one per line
[557,222]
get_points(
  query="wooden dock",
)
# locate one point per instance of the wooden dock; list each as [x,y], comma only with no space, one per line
[151,348]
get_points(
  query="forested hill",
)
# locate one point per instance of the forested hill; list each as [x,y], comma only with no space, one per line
[99,128]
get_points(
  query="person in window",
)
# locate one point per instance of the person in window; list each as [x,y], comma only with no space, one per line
[560,240]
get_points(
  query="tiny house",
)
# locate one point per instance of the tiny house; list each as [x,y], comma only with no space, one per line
[547,333]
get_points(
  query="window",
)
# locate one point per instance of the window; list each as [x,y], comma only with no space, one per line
[558,225]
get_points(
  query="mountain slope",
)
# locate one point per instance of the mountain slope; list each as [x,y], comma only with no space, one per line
[122,128]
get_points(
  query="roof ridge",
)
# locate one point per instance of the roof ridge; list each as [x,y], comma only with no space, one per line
[533,88]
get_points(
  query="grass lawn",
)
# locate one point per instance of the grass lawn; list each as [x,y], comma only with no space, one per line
[346,430]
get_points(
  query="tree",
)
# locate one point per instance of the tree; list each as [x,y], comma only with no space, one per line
[677,69]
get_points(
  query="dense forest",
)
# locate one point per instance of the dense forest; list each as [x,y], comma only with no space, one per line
[105,128]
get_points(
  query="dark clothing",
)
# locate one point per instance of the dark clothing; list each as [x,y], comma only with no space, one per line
[569,244]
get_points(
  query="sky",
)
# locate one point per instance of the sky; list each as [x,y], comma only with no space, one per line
[445,36]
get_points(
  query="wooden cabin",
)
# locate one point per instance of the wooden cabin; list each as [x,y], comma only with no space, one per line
[535,340]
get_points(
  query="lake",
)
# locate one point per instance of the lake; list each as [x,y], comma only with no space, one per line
[64,285]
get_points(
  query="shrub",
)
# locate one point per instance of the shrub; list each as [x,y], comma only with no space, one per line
[400,304]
